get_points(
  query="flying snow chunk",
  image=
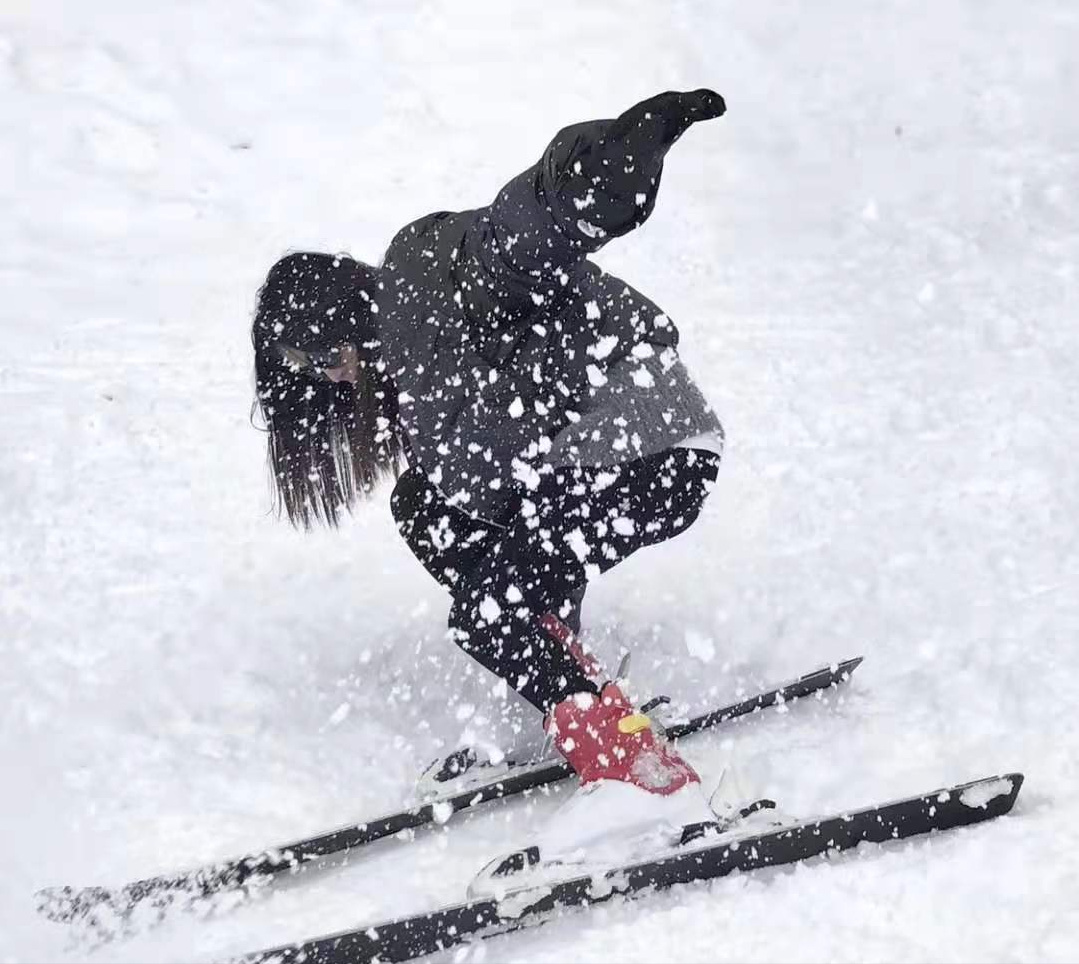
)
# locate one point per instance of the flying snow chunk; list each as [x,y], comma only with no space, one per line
[537,298]
[338,715]
[641,199]
[517,408]
[700,646]
[489,609]
[596,378]
[591,311]
[526,474]
[578,543]
[623,526]
[603,347]
[642,378]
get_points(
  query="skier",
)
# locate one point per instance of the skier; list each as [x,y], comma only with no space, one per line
[538,421]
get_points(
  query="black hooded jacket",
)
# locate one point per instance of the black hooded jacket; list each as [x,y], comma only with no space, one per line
[512,353]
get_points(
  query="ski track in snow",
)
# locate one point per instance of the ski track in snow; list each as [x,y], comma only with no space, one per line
[873,261]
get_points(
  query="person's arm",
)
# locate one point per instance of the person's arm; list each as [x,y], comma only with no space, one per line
[595,181]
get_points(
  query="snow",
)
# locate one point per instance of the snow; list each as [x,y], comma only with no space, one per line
[605,345]
[700,646]
[981,795]
[873,261]
[489,609]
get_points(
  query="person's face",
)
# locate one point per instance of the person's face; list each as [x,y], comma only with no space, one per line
[348,370]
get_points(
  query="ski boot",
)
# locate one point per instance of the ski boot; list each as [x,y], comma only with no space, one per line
[637,796]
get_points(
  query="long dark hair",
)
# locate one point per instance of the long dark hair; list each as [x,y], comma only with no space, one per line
[328,443]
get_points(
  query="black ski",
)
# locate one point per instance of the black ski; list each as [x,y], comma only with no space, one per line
[410,937]
[69,904]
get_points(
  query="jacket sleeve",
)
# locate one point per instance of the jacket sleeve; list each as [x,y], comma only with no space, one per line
[595,181]
[599,180]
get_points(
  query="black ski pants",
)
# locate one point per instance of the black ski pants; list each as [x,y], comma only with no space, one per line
[505,575]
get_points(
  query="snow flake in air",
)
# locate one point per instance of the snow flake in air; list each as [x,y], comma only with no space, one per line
[525,474]
[700,646]
[586,202]
[338,715]
[517,408]
[578,543]
[604,480]
[489,609]
[603,347]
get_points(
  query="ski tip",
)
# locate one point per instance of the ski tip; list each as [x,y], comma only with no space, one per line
[850,665]
[1017,783]
[1009,786]
[993,796]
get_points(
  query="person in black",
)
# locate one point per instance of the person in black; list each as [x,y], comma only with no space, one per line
[533,409]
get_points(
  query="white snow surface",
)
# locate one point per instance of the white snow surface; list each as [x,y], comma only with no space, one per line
[873,263]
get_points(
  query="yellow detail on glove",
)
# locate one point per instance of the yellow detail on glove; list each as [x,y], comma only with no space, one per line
[634,723]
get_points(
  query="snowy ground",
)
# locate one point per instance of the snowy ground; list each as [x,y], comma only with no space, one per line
[874,261]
